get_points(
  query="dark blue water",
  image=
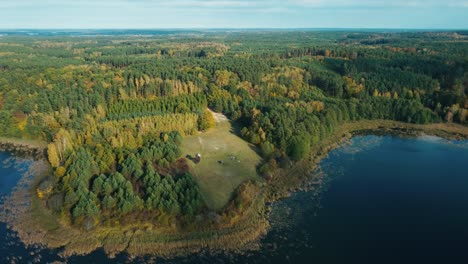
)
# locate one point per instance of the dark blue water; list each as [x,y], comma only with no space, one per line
[383,200]
[9,174]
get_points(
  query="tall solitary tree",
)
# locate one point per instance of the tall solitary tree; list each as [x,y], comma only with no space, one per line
[53,156]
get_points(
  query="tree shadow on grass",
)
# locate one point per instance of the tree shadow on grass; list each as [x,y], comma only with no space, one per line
[236,128]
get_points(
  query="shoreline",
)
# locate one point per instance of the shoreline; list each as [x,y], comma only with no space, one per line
[38,226]
[24,147]
[301,176]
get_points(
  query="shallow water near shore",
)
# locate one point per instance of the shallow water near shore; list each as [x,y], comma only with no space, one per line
[384,199]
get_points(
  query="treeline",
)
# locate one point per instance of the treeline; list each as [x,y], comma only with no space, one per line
[124,109]
[129,131]
[291,126]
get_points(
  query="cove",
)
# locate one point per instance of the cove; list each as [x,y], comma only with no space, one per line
[384,199]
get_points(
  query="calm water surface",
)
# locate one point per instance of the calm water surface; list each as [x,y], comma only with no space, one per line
[384,200]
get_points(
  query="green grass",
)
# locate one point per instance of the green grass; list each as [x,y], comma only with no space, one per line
[218,181]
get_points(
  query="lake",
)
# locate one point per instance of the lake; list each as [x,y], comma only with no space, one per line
[384,199]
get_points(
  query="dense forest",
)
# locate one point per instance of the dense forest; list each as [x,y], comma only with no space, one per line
[115,109]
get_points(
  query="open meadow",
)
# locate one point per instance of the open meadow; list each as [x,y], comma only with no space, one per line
[226,161]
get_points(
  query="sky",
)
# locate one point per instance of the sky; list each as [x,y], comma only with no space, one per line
[155,14]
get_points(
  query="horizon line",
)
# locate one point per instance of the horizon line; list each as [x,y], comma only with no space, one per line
[241,28]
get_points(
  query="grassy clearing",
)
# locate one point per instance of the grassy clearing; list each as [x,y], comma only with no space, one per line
[226,162]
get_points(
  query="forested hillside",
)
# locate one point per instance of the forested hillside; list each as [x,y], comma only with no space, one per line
[115,109]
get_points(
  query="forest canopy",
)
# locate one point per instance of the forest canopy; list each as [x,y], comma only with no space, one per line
[114,109]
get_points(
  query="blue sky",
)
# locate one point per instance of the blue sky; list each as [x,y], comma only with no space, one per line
[234,14]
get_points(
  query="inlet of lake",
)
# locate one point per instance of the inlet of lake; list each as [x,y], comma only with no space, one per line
[384,199]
